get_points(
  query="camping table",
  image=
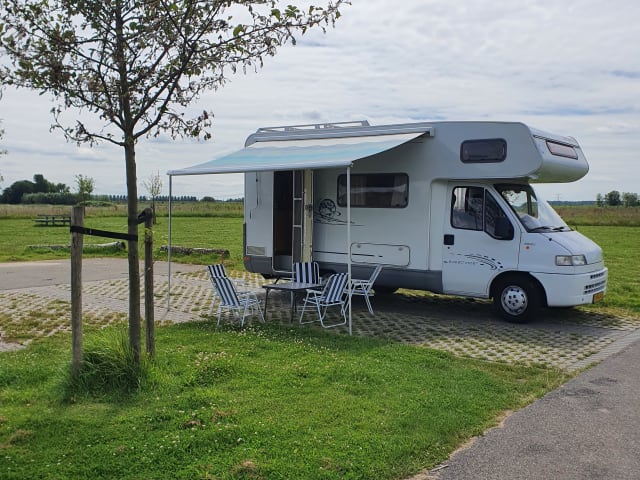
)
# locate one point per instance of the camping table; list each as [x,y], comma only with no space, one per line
[293,288]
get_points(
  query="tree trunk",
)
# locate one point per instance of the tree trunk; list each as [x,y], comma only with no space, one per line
[134,267]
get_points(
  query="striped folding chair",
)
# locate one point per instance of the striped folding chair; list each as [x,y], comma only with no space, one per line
[333,294]
[231,300]
[364,287]
[306,272]
[218,271]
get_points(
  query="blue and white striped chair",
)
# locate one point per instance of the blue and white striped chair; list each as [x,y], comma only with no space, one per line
[217,271]
[364,287]
[306,272]
[333,294]
[235,302]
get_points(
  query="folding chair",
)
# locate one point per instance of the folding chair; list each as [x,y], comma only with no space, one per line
[217,271]
[364,287]
[231,300]
[333,294]
[306,272]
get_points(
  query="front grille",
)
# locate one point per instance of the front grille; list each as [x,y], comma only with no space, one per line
[598,282]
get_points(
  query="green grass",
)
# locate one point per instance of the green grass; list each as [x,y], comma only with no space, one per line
[601,216]
[263,402]
[259,403]
[179,209]
[619,245]
[224,232]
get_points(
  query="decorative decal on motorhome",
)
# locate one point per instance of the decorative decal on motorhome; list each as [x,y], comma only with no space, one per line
[327,213]
[476,259]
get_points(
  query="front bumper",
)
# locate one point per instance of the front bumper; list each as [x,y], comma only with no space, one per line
[573,289]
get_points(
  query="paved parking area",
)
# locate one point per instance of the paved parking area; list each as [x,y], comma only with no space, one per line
[567,339]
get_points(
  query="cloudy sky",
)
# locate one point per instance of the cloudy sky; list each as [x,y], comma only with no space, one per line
[571,67]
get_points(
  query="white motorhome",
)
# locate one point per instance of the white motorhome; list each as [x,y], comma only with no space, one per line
[446,207]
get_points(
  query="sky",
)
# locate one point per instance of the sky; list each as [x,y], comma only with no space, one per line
[569,67]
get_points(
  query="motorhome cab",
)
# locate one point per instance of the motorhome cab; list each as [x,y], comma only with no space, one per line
[446,207]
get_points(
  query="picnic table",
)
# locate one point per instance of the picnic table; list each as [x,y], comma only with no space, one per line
[47,220]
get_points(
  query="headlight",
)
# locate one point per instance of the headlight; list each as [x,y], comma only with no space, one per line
[570,260]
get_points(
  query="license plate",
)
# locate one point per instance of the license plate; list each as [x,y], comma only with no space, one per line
[597,297]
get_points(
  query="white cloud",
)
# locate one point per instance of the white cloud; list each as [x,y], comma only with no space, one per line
[569,67]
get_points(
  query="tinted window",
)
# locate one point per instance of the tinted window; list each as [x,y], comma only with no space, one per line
[375,190]
[562,150]
[483,151]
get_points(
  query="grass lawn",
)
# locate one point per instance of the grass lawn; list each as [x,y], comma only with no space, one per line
[260,403]
[264,402]
[618,245]
[16,234]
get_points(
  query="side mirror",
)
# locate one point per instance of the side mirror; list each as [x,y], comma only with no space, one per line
[504,229]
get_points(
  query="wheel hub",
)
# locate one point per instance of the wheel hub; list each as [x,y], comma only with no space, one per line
[514,300]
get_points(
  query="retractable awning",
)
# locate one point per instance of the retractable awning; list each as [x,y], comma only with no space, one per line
[327,148]
[300,154]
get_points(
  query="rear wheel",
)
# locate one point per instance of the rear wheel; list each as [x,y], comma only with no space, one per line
[516,298]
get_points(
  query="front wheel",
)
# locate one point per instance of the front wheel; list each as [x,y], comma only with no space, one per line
[516,299]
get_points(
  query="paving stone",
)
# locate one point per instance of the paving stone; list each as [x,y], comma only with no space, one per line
[566,339]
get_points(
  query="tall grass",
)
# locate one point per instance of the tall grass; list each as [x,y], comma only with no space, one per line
[108,366]
[600,216]
[178,209]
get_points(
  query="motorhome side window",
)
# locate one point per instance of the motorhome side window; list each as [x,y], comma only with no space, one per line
[472,208]
[375,190]
[488,150]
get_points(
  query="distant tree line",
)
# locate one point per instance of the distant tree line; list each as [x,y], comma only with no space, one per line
[159,198]
[615,199]
[40,190]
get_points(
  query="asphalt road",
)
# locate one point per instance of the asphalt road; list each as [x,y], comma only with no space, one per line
[587,429]
[14,275]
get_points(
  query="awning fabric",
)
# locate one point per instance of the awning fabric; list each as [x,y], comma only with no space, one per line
[299,154]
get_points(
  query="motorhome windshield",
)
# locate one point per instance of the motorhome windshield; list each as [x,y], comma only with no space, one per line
[535,213]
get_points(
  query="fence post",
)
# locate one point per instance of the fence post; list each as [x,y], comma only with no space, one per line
[148,282]
[77,219]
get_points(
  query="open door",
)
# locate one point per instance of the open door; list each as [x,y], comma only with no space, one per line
[292,218]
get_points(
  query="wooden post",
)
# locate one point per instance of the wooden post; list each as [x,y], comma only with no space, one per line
[77,219]
[148,282]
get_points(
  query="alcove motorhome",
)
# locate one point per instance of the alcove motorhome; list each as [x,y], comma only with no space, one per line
[446,207]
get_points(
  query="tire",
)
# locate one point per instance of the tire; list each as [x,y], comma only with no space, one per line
[516,299]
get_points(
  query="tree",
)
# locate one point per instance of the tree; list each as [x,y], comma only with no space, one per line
[613,198]
[136,65]
[154,187]
[85,187]
[630,199]
[599,200]
[15,192]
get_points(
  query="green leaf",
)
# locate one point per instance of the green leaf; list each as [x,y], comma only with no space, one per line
[238,30]
[276,13]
